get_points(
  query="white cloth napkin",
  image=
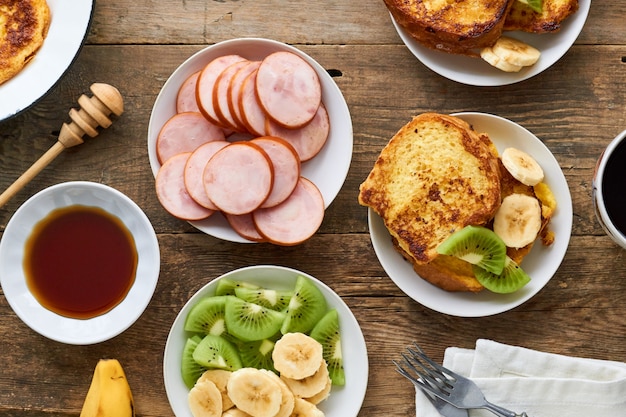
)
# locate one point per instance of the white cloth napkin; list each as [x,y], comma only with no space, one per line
[541,384]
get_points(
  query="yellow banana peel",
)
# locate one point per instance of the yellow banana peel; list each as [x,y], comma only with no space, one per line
[109,394]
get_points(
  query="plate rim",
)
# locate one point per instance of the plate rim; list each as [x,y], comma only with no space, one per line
[107,325]
[61,17]
[488,76]
[360,364]
[495,303]
[216,225]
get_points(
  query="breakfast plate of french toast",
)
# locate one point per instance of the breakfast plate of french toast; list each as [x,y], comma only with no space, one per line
[507,42]
[469,214]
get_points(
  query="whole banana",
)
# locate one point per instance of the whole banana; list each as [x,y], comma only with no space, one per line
[109,394]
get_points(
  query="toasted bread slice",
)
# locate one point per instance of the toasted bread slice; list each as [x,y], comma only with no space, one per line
[436,175]
[459,26]
[23,28]
[522,17]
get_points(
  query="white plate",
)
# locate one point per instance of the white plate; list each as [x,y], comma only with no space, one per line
[475,71]
[69,24]
[44,321]
[343,401]
[541,263]
[328,169]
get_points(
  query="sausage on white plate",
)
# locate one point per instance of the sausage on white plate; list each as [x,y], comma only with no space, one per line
[194,169]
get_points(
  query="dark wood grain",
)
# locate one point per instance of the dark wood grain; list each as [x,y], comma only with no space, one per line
[576,107]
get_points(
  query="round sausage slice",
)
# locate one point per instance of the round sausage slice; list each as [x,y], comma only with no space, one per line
[294,220]
[252,114]
[194,169]
[286,168]
[184,132]
[186,97]
[238,178]
[288,88]
[172,193]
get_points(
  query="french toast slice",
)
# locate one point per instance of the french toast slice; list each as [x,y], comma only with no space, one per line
[436,175]
[23,27]
[458,27]
[521,17]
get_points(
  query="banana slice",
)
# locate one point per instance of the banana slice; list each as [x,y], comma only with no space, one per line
[311,385]
[515,52]
[254,392]
[205,400]
[288,402]
[522,166]
[304,408]
[323,394]
[518,220]
[220,378]
[297,355]
[494,60]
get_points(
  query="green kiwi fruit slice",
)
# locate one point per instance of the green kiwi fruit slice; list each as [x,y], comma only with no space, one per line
[258,354]
[207,316]
[190,369]
[477,245]
[249,321]
[226,286]
[306,307]
[510,280]
[326,331]
[216,352]
[274,299]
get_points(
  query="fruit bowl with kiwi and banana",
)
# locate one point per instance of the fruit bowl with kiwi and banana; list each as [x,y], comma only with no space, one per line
[264,347]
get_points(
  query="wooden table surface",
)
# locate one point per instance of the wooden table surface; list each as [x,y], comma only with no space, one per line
[576,107]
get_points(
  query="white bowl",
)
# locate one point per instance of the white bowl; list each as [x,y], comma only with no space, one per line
[475,71]
[52,325]
[328,169]
[343,401]
[541,263]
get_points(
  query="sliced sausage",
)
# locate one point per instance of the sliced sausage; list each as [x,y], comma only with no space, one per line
[206,82]
[186,97]
[286,165]
[194,169]
[243,225]
[252,114]
[172,193]
[238,178]
[294,220]
[234,92]
[184,132]
[307,140]
[288,88]
[220,95]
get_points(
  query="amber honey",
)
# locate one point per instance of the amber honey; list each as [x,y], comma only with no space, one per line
[80,261]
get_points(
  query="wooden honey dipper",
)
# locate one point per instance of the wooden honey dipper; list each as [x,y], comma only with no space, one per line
[94,113]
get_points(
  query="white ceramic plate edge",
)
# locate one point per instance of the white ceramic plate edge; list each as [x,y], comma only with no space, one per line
[343,401]
[540,264]
[69,26]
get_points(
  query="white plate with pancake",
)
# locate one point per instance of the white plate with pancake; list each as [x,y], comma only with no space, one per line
[540,264]
[475,71]
[69,25]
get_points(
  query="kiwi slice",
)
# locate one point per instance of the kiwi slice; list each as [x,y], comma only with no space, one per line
[510,280]
[190,369]
[207,316]
[258,354]
[249,321]
[217,352]
[306,307]
[274,299]
[477,245]
[227,286]
[326,332]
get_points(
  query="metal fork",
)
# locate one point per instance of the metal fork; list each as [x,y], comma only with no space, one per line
[445,384]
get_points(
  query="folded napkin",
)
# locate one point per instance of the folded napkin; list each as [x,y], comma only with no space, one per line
[541,384]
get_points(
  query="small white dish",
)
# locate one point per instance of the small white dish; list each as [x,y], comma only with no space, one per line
[57,327]
[541,263]
[343,401]
[475,71]
[69,26]
[328,169]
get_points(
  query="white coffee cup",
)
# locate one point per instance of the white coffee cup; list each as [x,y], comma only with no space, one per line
[609,185]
